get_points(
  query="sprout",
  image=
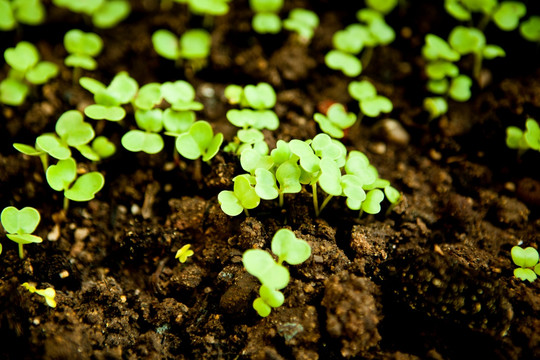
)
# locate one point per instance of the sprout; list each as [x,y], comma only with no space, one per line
[508,14]
[101,148]
[48,293]
[183,253]
[435,106]
[20,224]
[303,22]
[147,139]
[104,13]
[265,185]
[523,140]
[148,96]
[25,64]
[199,141]
[266,19]
[382,6]
[243,197]
[193,45]
[181,95]
[63,177]
[27,12]
[371,104]
[530,29]
[208,7]
[82,48]
[436,48]
[527,260]
[273,275]
[336,120]
[121,90]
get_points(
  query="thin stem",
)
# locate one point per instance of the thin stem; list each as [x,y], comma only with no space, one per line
[66,204]
[365,59]
[484,22]
[21,251]
[325,202]
[281,196]
[315,199]
[44,161]
[477,66]
[246,212]
[361,213]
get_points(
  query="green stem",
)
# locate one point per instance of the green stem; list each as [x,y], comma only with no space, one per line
[66,204]
[246,212]
[365,59]
[315,198]
[281,195]
[361,213]
[325,202]
[477,66]
[484,22]
[44,161]
[21,251]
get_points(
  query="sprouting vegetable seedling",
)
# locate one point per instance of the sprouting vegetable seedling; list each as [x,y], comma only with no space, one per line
[193,45]
[82,48]
[20,224]
[63,177]
[506,14]
[335,121]
[303,22]
[104,13]
[199,142]
[530,29]
[524,140]
[273,275]
[109,99]
[266,19]
[371,104]
[242,198]
[527,260]
[146,138]
[25,68]
[347,44]
[183,253]
[27,12]
[48,294]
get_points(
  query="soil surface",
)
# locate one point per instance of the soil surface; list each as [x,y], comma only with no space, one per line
[430,279]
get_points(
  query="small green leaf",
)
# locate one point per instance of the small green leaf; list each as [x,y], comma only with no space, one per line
[467,40]
[347,63]
[83,43]
[13,92]
[266,186]
[195,44]
[110,13]
[42,72]
[508,14]
[260,264]
[138,140]
[272,297]
[261,96]
[53,146]
[460,88]
[20,222]
[85,187]
[61,175]
[530,29]
[230,204]
[23,57]
[73,130]
[525,258]
[372,203]
[266,23]
[289,248]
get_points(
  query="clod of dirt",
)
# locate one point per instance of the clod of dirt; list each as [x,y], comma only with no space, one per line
[511,212]
[528,190]
[352,314]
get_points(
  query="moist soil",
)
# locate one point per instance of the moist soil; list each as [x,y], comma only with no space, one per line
[431,278]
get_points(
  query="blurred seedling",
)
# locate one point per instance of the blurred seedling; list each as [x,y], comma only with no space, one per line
[25,68]
[530,29]
[273,275]
[15,12]
[19,225]
[63,177]
[506,15]
[108,99]
[193,46]
[266,19]
[524,140]
[336,120]
[48,294]
[242,198]
[371,104]
[527,260]
[82,48]
[248,139]
[303,22]
[183,253]
[103,13]
[147,138]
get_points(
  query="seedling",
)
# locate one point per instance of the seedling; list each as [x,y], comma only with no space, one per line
[266,19]
[109,99]
[199,142]
[104,13]
[530,29]
[48,294]
[435,106]
[247,139]
[524,140]
[82,48]
[273,275]
[371,104]
[147,139]
[148,96]
[25,67]
[303,22]
[335,121]
[101,148]
[27,12]
[527,260]
[242,198]
[207,7]
[193,45]
[506,15]
[382,6]
[20,224]
[63,177]
[183,253]
[181,95]
[347,43]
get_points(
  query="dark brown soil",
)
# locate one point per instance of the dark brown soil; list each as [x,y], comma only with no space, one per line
[432,279]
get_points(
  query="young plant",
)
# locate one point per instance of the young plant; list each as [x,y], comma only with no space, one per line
[530,29]
[48,294]
[109,99]
[15,12]
[199,142]
[103,13]
[82,48]
[506,15]
[63,177]
[183,253]
[335,121]
[19,225]
[524,140]
[146,138]
[193,46]
[303,22]
[266,19]
[527,260]
[273,275]
[371,104]
[25,68]
[242,198]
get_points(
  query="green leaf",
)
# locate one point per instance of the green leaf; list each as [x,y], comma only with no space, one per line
[149,120]
[195,44]
[525,258]
[460,88]
[352,189]
[436,48]
[266,23]
[347,63]
[7,20]
[530,29]
[101,112]
[308,160]
[330,178]
[81,61]
[493,51]
[53,146]
[532,134]
[261,96]
[149,95]
[525,274]
[303,22]
[178,91]
[178,122]
[85,187]
[13,92]
[42,72]
[61,175]
[467,40]
[382,6]
[438,70]
[350,40]
[83,43]
[288,176]
[27,149]
[262,308]
[73,130]
[20,222]
[92,85]
[265,187]
[24,238]
[372,203]
[245,193]
[260,264]
[454,8]
[110,13]
[230,204]
[392,194]
[22,57]
[436,106]
[103,147]
[137,140]
[123,88]
[374,106]
[508,14]
[268,6]
[361,90]
[289,248]
[515,138]
[272,297]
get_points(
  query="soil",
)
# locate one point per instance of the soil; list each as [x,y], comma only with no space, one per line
[431,278]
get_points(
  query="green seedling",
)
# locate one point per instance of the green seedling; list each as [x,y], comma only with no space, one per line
[183,253]
[104,13]
[347,43]
[101,148]
[146,138]
[199,142]
[257,119]
[207,7]
[193,45]
[180,95]
[371,104]
[379,32]
[25,68]
[260,97]
[82,48]
[273,275]
[530,29]
[242,198]
[303,22]
[20,224]
[15,12]
[435,106]
[524,140]
[266,19]
[382,6]
[252,159]
[335,121]
[63,177]
[527,260]
[436,48]
[248,139]
[148,96]
[109,99]
[48,294]
[506,15]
